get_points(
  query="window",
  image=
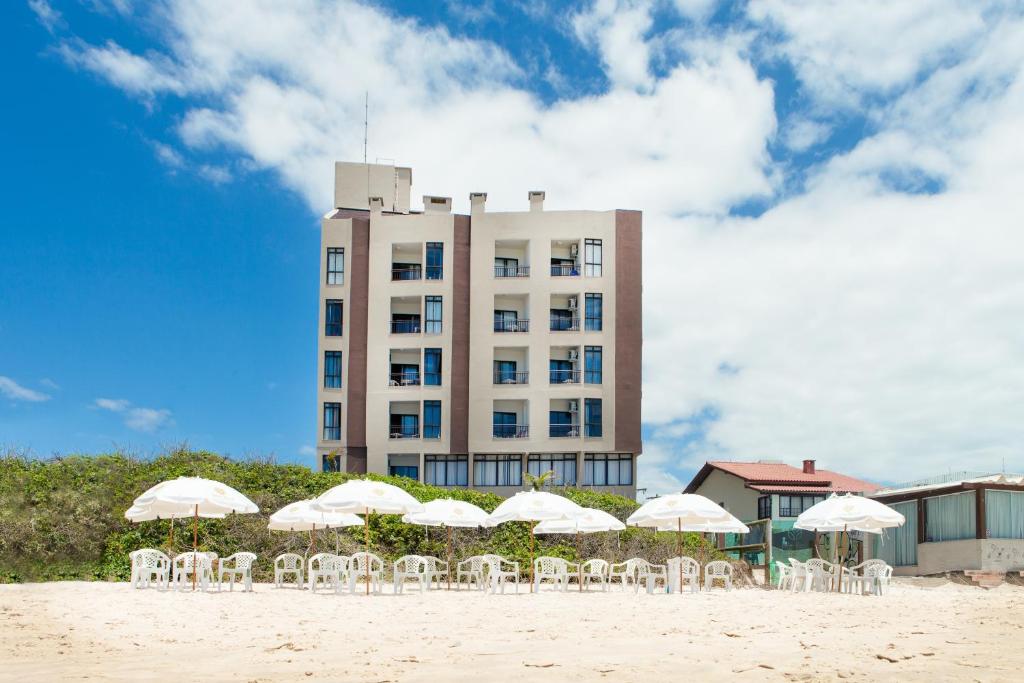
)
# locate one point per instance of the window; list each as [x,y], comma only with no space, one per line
[332,369]
[592,417]
[332,422]
[505,425]
[435,260]
[509,267]
[432,367]
[331,463]
[410,471]
[431,419]
[505,372]
[405,323]
[506,321]
[405,375]
[1004,514]
[335,266]
[764,507]
[405,426]
[607,469]
[898,545]
[792,506]
[560,424]
[433,325]
[563,320]
[561,372]
[592,258]
[592,359]
[498,470]
[594,312]
[446,470]
[562,464]
[950,518]
[333,316]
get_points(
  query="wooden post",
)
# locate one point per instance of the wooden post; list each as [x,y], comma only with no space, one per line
[195,547]
[767,536]
[921,521]
[450,558]
[981,523]
[579,553]
[679,550]
[312,538]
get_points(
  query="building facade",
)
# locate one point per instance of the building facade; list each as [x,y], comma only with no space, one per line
[466,350]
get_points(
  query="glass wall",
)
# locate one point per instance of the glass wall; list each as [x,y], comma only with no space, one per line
[898,546]
[497,470]
[446,470]
[1004,514]
[950,518]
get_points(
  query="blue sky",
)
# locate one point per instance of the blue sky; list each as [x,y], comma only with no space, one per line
[832,267]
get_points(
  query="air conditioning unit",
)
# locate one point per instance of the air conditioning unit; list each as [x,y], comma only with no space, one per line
[573,303]
[574,354]
[574,249]
[574,406]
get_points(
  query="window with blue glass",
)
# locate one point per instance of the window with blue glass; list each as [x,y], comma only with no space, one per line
[405,374]
[335,266]
[433,315]
[592,362]
[446,470]
[592,417]
[410,471]
[431,419]
[331,462]
[562,320]
[592,258]
[560,371]
[332,369]
[435,260]
[594,312]
[504,372]
[560,424]
[332,421]
[404,426]
[432,367]
[504,425]
[506,321]
[607,469]
[333,317]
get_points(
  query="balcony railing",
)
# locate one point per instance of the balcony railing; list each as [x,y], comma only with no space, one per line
[563,431]
[405,432]
[562,324]
[505,431]
[511,271]
[432,379]
[516,377]
[564,376]
[406,272]
[564,269]
[435,272]
[520,325]
[403,379]
[404,327]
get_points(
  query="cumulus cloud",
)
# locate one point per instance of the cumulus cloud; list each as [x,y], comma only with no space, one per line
[16,392]
[867,318]
[50,18]
[140,419]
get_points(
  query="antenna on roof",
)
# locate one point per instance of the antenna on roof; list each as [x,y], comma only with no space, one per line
[366,135]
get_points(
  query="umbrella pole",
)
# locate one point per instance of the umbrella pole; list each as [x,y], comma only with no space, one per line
[195,546]
[579,552]
[839,566]
[449,572]
[679,547]
[531,556]
[366,537]
[312,538]
[170,537]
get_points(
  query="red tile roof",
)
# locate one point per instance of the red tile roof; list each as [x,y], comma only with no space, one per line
[782,478]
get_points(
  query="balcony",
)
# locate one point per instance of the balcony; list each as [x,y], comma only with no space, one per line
[511,271]
[561,376]
[405,326]
[565,270]
[564,323]
[511,431]
[561,430]
[504,324]
[511,377]
[406,272]
[511,258]
[404,379]
[407,261]
[565,258]
[404,431]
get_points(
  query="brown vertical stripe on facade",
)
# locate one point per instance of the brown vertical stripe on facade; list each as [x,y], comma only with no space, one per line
[460,336]
[628,330]
[358,267]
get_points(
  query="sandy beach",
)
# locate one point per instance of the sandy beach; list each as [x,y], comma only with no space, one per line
[108,631]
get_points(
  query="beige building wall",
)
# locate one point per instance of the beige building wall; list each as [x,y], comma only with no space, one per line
[355,183]
[333,233]
[724,488]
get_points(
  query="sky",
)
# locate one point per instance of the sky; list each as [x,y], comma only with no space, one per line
[833,250]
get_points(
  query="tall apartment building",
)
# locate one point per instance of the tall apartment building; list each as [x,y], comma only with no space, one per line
[466,350]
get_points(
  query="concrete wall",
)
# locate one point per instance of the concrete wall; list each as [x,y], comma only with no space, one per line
[994,554]
[355,183]
[729,491]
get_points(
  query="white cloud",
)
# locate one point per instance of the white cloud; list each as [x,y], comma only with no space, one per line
[16,392]
[869,320]
[139,419]
[50,18]
[168,156]
[218,175]
[307,450]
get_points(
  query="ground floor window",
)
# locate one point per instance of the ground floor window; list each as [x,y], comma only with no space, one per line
[898,546]
[446,470]
[331,462]
[950,518]
[764,507]
[562,464]
[497,470]
[410,471]
[1004,514]
[607,469]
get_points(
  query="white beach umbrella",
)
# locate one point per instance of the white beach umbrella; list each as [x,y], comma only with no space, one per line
[137,514]
[589,521]
[680,512]
[365,496]
[195,497]
[730,526]
[448,513]
[300,516]
[533,506]
[842,514]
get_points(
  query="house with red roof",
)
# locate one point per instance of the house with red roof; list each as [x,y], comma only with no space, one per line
[771,489]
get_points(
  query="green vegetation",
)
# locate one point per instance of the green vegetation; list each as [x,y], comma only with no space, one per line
[63,518]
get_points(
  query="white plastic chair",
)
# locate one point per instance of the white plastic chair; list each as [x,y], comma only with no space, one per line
[785,578]
[473,569]
[285,565]
[553,569]
[595,570]
[650,574]
[240,565]
[436,568]
[873,578]
[190,563]
[719,570]
[624,571]
[369,566]
[411,567]
[819,574]
[690,571]
[150,565]
[324,570]
[500,571]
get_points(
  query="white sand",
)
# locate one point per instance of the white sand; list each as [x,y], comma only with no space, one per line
[89,631]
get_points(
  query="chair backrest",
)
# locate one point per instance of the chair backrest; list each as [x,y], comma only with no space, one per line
[550,565]
[323,562]
[360,560]
[411,564]
[189,560]
[783,568]
[640,565]
[148,558]
[433,562]
[211,555]
[288,562]
[691,567]
[718,568]
[241,560]
[815,564]
[596,567]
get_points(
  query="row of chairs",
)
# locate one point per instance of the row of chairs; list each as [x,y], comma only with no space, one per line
[867,578]
[153,567]
[328,570]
